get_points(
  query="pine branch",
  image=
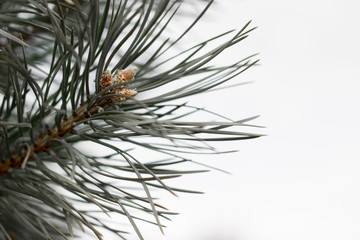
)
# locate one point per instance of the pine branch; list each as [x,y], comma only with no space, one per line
[57,95]
[114,90]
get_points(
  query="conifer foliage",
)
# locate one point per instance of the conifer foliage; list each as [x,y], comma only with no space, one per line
[79,75]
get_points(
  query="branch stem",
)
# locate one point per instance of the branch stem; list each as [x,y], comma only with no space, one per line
[42,144]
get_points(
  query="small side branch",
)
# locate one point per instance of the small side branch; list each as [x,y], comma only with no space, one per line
[117,93]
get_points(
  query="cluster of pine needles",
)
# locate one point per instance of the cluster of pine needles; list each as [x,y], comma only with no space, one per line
[85,74]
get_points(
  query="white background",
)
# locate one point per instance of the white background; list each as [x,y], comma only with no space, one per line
[301,181]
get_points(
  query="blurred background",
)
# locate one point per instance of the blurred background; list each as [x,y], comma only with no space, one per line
[302,180]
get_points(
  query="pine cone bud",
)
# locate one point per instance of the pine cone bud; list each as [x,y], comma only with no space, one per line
[126,94]
[106,80]
[124,76]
